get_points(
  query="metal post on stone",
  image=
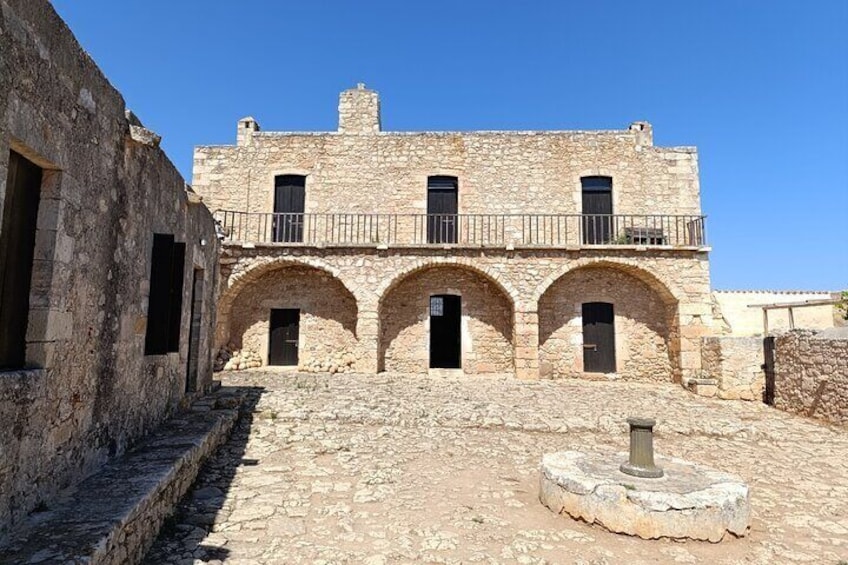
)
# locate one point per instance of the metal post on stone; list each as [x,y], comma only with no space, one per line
[641,463]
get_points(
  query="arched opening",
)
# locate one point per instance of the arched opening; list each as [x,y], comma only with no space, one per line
[485,321]
[293,315]
[609,319]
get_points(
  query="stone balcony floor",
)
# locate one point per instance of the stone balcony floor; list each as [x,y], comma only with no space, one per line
[398,469]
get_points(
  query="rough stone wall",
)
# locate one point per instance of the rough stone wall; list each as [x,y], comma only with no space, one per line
[87,391]
[745,321]
[811,374]
[371,274]
[486,323]
[361,169]
[327,317]
[643,325]
[736,365]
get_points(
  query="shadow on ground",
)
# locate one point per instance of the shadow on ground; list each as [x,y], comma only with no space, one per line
[181,534]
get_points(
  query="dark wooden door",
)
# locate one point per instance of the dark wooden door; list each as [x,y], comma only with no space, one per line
[445,332]
[597,209]
[598,338]
[768,369]
[441,209]
[289,202]
[194,330]
[285,334]
[17,247]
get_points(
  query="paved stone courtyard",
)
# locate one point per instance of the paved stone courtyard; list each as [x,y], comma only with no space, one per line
[399,469]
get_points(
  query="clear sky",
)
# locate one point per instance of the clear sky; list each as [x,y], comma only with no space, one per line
[760,87]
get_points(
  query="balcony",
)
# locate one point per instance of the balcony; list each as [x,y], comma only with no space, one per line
[462,230]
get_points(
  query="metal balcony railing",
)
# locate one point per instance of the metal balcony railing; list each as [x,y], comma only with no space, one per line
[474,230]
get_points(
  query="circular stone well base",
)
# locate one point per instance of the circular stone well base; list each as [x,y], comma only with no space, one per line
[689,501]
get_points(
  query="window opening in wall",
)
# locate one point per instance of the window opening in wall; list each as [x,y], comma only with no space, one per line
[164,309]
[597,209]
[445,332]
[289,203]
[442,209]
[598,338]
[17,248]
[283,341]
[196,320]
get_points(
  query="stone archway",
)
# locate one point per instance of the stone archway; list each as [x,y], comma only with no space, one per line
[486,321]
[647,341]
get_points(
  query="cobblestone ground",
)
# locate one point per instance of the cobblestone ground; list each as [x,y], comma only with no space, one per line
[400,469]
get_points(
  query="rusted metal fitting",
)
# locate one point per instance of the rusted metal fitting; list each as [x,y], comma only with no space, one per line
[641,463]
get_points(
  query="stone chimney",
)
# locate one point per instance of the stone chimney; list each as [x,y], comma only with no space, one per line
[644,133]
[246,127]
[359,110]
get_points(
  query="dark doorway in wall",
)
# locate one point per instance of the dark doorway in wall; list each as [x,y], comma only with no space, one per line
[165,302]
[284,336]
[289,203]
[17,246]
[598,338]
[441,209]
[597,209]
[194,330]
[445,332]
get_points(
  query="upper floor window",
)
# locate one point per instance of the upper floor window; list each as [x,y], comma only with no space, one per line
[597,209]
[442,206]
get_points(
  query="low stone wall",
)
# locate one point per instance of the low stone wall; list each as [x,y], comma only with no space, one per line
[811,374]
[735,363]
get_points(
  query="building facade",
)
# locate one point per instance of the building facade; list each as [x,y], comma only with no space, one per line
[108,268]
[538,253]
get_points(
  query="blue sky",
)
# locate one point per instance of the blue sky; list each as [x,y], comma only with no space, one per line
[761,87]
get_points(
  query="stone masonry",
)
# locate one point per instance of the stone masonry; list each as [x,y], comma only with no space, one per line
[87,390]
[510,319]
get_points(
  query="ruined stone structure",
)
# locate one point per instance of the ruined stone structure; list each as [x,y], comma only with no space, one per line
[742,318]
[571,252]
[104,327]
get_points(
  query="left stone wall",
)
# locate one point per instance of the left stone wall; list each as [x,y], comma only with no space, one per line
[87,390]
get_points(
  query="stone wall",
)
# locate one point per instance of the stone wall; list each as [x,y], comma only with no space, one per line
[745,321]
[87,390]
[811,374]
[644,324]
[736,365]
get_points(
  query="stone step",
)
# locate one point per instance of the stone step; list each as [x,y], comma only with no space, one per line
[114,516]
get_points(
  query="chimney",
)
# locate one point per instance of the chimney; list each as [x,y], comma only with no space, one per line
[644,133]
[244,134]
[359,110]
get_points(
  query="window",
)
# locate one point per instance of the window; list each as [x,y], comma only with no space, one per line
[164,310]
[17,246]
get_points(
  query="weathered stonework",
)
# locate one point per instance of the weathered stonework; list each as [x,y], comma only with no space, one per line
[811,374]
[87,390]
[736,365]
[742,320]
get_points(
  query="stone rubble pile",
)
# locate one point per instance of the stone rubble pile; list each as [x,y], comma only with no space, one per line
[231,359]
[337,363]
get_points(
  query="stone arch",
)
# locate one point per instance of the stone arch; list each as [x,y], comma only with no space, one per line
[647,343]
[487,318]
[329,311]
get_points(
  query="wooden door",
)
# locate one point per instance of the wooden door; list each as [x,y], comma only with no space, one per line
[17,247]
[597,209]
[289,203]
[445,332]
[195,323]
[441,209]
[284,336]
[768,369]
[598,338]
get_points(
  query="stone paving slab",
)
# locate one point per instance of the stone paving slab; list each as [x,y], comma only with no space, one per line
[384,469]
[114,515]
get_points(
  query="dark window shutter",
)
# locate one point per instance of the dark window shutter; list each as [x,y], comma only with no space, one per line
[175,313]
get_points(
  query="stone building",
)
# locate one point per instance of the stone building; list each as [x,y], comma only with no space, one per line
[538,253]
[108,265]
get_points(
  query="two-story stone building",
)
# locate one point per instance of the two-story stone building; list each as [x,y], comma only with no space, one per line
[539,253]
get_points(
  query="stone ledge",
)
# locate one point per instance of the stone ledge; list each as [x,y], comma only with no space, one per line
[114,516]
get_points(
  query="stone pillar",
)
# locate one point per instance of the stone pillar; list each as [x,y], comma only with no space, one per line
[526,338]
[359,110]
[368,334]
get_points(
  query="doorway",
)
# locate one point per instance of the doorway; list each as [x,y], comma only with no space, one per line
[445,332]
[597,209]
[598,338]
[289,203]
[284,337]
[441,209]
[195,323]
